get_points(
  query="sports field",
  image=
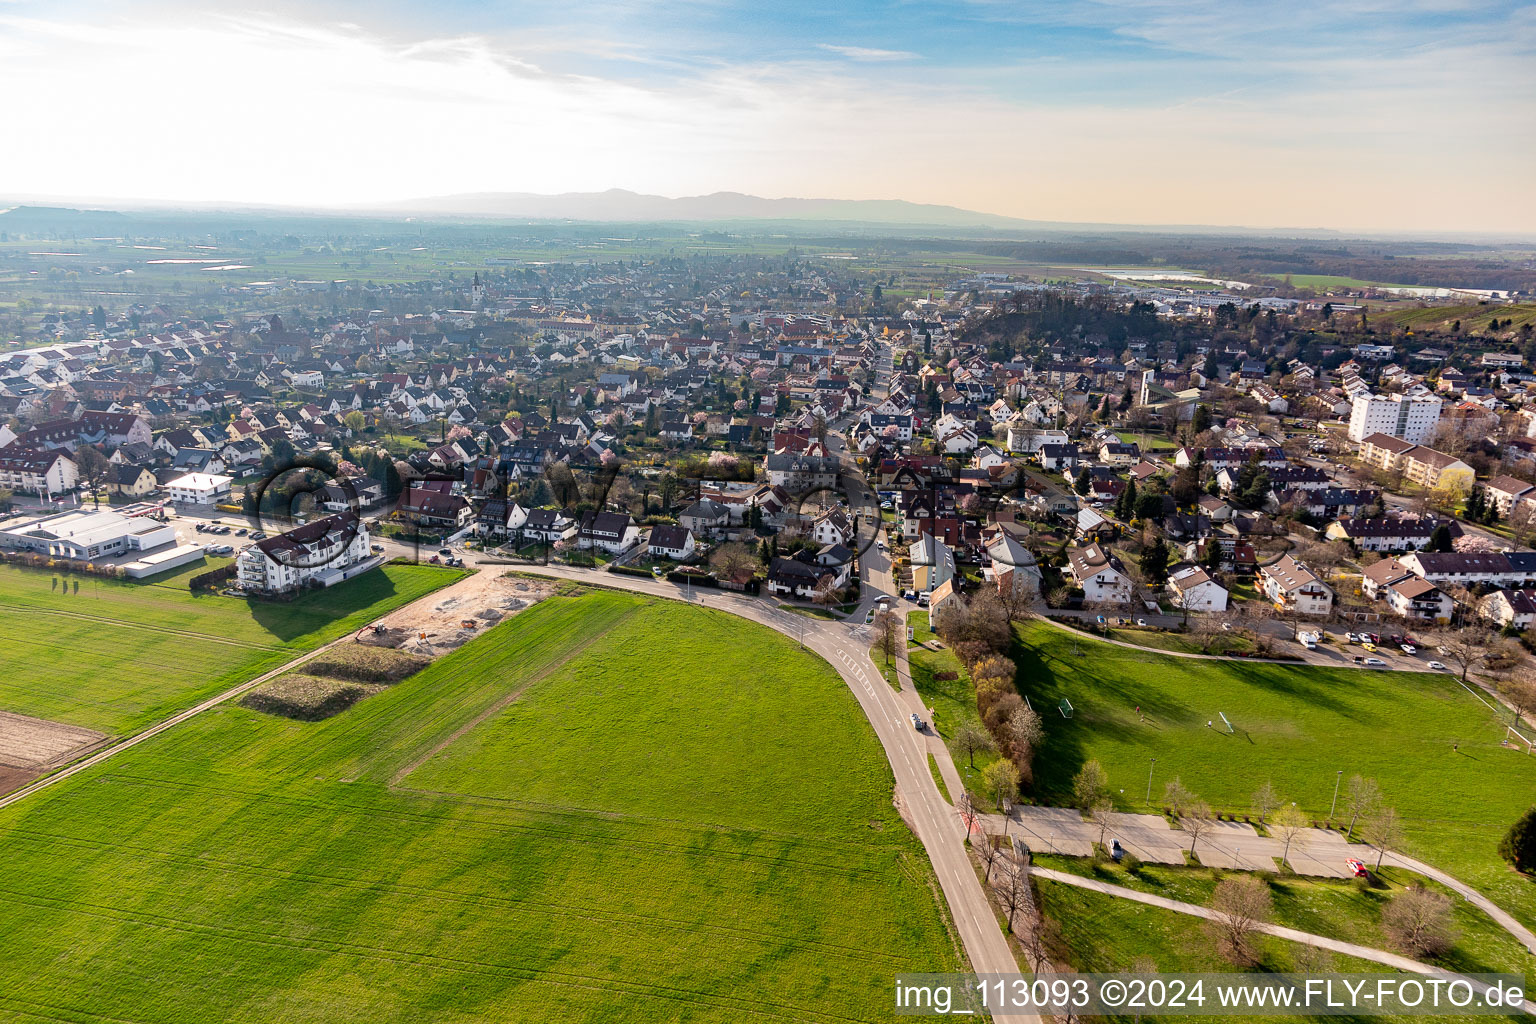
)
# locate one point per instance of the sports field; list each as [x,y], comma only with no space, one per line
[606,808]
[1433,749]
[117,656]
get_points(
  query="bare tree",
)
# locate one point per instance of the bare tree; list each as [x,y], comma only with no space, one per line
[1465,647]
[1012,894]
[1102,814]
[1241,903]
[967,811]
[888,633]
[986,852]
[1205,629]
[826,593]
[1362,798]
[734,562]
[1520,690]
[1290,825]
[1264,800]
[1384,830]
[1176,796]
[1198,821]
[1418,921]
[970,740]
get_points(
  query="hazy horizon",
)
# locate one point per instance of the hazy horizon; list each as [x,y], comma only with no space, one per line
[1418,117]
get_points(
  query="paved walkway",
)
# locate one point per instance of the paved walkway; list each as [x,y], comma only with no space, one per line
[1229,844]
[1401,963]
[1471,895]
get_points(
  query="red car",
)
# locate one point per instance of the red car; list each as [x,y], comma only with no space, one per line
[1357,867]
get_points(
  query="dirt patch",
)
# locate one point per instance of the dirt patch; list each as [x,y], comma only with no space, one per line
[459,614]
[307,698]
[14,778]
[36,744]
[361,663]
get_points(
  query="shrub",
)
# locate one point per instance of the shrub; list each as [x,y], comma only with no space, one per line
[1519,844]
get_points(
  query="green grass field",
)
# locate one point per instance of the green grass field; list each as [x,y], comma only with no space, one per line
[117,656]
[1334,908]
[605,808]
[1474,317]
[1105,933]
[1326,282]
[1296,727]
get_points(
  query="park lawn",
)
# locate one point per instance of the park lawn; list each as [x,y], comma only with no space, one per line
[681,815]
[1104,933]
[1162,640]
[1296,727]
[117,656]
[1334,908]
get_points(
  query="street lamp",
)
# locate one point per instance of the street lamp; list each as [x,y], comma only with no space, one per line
[1336,780]
[1149,780]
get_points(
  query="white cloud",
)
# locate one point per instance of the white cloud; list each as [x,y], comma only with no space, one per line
[867,54]
[207,108]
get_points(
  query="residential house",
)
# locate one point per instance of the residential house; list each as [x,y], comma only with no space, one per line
[321,552]
[1291,586]
[671,542]
[434,507]
[132,481]
[546,526]
[200,489]
[1193,589]
[1101,575]
[1509,608]
[610,532]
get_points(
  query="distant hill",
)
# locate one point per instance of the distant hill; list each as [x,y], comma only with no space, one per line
[618,204]
[36,218]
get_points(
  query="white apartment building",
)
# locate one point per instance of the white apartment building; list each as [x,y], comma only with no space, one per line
[199,489]
[1412,419]
[326,551]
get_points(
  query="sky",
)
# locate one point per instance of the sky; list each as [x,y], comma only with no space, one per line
[1416,115]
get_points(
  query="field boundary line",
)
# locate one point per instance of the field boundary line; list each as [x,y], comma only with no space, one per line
[146,626]
[501,704]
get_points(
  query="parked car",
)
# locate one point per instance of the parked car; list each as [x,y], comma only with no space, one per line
[1356,867]
[909,595]
[1409,649]
[1141,622]
[1374,662]
[1359,660]
[1368,645]
[1099,620]
[657,571]
[445,552]
[1438,666]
